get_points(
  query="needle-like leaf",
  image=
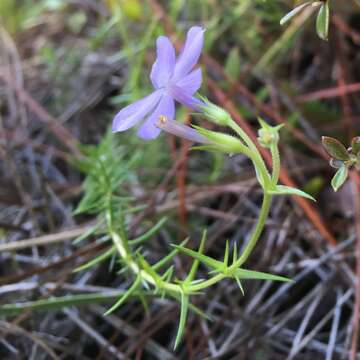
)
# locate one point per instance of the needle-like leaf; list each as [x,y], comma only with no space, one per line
[183,315]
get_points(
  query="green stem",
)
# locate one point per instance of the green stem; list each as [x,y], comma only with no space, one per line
[255,157]
[175,288]
[264,212]
[209,282]
[137,270]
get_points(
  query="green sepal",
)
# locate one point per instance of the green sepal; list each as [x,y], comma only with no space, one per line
[288,190]
[229,143]
[339,177]
[209,148]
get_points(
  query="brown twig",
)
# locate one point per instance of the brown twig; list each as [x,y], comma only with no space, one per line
[58,130]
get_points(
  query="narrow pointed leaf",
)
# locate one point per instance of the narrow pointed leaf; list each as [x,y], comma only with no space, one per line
[108,253]
[55,303]
[339,178]
[240,285]
[235,253]
[196,262]
[203,258]
[226,255]
[287,190]
[322,21]
[127,294]
[293,12]
[150,232]
[183,315]
[168,257]
[250,274]
[192,307]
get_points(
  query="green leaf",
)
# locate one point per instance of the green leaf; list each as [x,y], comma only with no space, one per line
[293,12]
[250,274]
[149,233]
[88,233]
[215,264]
[339,178]
[196,262]
[168,257]
[335,148]
[58,302]
[287,190]
[183,315]
[124,297]
[98,259]
[322,21]
[235,253]
[226,254]
[240,285]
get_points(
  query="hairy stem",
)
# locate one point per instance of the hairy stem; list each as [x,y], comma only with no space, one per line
[275,163]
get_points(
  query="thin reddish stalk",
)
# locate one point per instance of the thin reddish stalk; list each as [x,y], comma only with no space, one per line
[65,136]
[329,93]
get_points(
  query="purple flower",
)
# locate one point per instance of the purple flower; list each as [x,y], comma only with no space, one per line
[172,79]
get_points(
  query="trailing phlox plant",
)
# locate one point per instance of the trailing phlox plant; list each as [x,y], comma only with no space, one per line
[175,79]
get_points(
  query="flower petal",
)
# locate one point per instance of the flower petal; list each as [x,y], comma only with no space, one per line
[190,53]
[166,107]
[191,82]
[183,97]
[165,62]
[131,114]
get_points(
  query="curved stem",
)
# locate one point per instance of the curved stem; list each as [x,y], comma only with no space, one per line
[137,270]
[256,158]
[257,232]
[175,288]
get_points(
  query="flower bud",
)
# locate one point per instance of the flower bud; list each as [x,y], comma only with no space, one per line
[268,135]
[215,113]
